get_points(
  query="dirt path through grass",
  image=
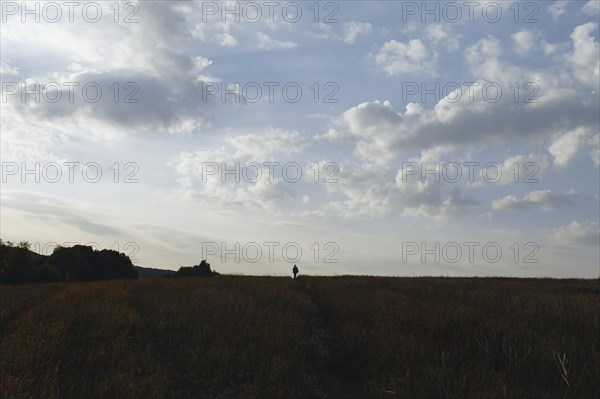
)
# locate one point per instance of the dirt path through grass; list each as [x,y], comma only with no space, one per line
[335,374]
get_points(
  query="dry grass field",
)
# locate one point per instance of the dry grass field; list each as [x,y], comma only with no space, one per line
[315,337]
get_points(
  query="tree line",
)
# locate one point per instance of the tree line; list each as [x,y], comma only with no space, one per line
[18,264]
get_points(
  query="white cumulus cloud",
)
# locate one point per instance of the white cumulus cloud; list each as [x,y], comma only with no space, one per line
[353,29]
[396,58]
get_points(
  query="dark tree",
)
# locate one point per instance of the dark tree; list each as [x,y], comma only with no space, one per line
[17,262]
[201,270]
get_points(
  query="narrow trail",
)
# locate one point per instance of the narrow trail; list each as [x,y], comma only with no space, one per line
[331,379]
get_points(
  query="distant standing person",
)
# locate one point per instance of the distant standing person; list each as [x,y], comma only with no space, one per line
[295,271]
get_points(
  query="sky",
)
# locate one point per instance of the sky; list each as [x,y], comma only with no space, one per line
[348,137]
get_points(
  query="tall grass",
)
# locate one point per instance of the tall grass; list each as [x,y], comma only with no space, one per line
[267,337]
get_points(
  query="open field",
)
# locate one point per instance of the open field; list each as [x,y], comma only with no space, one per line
[316,337]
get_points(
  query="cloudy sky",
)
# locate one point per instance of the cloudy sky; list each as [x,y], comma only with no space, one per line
[377,137]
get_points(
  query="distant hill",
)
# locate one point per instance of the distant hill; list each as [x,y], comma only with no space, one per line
[148,272]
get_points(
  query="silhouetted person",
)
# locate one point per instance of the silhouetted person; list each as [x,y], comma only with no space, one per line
[295,271]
